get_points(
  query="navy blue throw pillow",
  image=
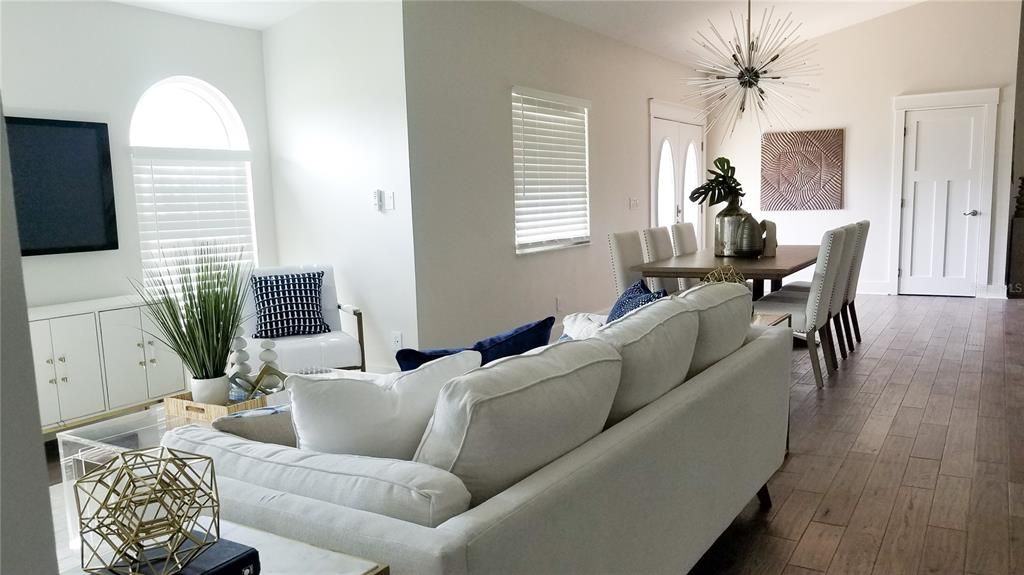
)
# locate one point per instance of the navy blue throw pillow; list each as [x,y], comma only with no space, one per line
[513,342]
[288,304]
[636,296]
[409,359]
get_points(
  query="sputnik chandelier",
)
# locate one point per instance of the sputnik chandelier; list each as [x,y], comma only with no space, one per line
[766,72]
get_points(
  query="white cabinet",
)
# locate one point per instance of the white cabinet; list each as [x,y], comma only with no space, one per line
[95,356]
[46,377]
[69,378]
[164,371]
[123,357]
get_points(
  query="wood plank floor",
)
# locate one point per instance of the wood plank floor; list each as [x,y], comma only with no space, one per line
[909,461]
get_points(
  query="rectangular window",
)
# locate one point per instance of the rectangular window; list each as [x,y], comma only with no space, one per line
[551,173]
[190,198]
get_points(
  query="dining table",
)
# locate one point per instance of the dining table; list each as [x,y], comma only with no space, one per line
[788,260]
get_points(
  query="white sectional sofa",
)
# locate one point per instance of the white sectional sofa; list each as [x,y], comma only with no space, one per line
[649,494]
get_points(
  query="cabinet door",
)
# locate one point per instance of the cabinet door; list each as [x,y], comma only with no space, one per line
[46,377]
[166,373]
[123,357]
[79,379]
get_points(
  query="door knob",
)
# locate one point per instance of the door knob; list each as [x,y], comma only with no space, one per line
[971,213]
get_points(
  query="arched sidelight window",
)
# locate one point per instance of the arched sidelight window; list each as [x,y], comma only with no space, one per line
[191,165]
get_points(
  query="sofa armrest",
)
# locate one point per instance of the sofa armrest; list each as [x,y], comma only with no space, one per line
[358,314]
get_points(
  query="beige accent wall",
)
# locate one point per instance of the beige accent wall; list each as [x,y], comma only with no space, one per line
[462,60]
[929,47]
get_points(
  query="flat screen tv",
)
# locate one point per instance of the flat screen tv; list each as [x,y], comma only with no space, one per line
[63,187]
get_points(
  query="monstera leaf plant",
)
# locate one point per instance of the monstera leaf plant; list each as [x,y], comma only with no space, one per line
[721,187]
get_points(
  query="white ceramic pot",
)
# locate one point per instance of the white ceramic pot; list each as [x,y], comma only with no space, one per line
[213,391]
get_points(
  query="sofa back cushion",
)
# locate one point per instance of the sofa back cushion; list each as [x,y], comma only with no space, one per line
[725,310]
[656,343]
[378,416]
[401,489]
[500,423]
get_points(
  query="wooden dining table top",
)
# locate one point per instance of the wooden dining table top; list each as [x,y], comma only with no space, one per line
[788,260]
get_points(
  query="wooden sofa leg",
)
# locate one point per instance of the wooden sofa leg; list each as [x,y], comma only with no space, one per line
[840,340]
[764,498]
[853,318]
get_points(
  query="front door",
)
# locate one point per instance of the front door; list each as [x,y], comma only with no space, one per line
[942,177]
[676,161]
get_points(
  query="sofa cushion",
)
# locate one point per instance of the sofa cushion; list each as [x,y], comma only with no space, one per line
[725,310]
[500,423]
[401,489]
[382,417]
[271,424]
[300,352]
[288,304]
[582,325]
[656,343]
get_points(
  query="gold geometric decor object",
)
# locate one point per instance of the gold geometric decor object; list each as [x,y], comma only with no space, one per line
[725,274]
[802,170]
[147,511]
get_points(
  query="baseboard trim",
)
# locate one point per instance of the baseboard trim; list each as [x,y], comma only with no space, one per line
[991,291]
[876,288]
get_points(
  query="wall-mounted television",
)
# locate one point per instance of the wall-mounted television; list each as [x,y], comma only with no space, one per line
[63,186]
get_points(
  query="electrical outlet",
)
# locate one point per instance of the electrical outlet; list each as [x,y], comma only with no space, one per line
[389,200]
[558,305]
[634,203]
[396,340]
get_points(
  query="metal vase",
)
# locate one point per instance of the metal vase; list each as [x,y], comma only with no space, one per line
[729,225]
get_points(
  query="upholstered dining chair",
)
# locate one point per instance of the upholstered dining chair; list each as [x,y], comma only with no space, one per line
[626,249]
[657,245]
[684,241]
[810,312]
[848,311]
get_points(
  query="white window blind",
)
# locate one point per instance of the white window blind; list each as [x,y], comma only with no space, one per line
[186,199]
[550,159]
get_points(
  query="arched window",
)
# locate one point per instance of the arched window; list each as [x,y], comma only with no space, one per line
[193,183]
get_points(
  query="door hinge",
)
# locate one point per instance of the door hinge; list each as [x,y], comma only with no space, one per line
[903,203]
[702,146]
[904,131]
[899,272]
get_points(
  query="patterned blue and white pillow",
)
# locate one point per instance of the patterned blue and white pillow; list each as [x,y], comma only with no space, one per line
[288,304]
[635,297]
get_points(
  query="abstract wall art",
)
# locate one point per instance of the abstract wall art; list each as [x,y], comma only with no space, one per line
[802,170]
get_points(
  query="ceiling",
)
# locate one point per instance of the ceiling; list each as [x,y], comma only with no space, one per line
[254,14]
[668,28]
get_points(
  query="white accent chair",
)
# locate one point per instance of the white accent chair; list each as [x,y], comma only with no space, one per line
[335,349]
[657,245]
[684,242]
[810,311]
[626,249]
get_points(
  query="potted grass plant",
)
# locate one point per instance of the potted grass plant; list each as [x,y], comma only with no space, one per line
[196,303]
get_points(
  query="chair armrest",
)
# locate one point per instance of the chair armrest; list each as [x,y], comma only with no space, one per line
[358,313]
[349,309]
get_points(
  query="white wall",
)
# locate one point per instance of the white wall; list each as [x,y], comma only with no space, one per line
[929,47]
[336,100]
[462,60]
[92,61]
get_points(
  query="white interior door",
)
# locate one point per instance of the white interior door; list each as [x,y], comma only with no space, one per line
[942,179]
[676,160]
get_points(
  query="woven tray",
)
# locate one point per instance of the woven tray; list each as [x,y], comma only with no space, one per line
[183,406]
